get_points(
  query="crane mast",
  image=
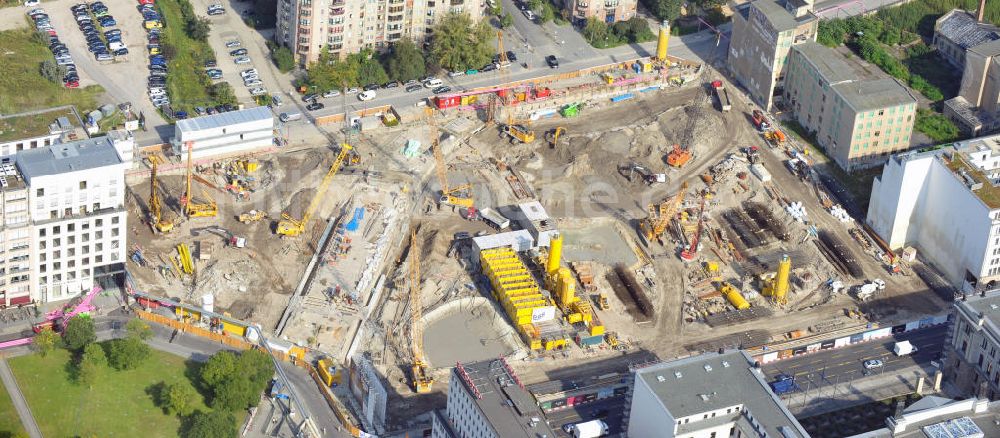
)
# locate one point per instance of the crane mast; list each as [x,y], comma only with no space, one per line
[422,381]
[192,208]
[459,196]
[291,227]
[155,208]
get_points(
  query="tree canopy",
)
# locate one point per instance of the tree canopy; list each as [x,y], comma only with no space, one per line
[79,332]
[406,61]
[459,44]
[236,380]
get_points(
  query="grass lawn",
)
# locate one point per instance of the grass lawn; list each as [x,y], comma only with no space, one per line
[117,406]
[187,84]
[22,87]
[21,127]
[10,423]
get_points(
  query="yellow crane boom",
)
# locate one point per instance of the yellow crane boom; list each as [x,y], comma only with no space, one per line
[460,196]
[422,381]
[660,215]
[192,208]
[291,227]
[155,208]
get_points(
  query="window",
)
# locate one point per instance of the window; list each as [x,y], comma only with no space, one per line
[983,345]
[98,234]
[71,227]
[56,230]
[41,232]
[98,222]
[83,185]
[56,242]
[40,192]
[114,221]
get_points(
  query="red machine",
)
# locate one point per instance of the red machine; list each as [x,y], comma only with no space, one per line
[692,252]
[760,121]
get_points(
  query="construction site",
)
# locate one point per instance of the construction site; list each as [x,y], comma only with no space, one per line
[674,220]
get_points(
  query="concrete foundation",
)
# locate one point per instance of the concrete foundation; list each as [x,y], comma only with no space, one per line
[467,330]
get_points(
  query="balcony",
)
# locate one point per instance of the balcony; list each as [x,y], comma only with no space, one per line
[457,2]
[338,3]
[395,18]
[338,11]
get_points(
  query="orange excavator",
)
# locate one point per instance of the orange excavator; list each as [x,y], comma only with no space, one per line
[679,156]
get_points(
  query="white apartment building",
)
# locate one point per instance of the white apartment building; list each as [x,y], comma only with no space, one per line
[487,400]
[76,196]
[713,395]
[16,285]
[946,204]
[347,26]
[225,134]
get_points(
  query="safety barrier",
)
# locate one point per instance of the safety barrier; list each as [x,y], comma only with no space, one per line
[222,338]
[338,408]
[338,118]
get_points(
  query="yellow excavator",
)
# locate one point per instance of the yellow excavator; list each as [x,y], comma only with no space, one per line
[191,207]
[422,380]
[553,136]
[460,196]
[291,227]
[155,208]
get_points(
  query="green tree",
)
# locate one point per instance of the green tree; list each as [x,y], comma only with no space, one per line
[90,364]
[79,332]
[45,341]
[52,71]
[236,381]
[506,20]
[198,28]
[406,61]
[329,73]
[138,328]
[282,57]
[94,354]
[177,398]
[936,126]
[459,44]
[215,424]
[547,13]
[128,353]
[223,93]
[664,9]
[369,70]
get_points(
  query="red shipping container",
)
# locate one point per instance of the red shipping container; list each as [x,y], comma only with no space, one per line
[448,101]
[542,92]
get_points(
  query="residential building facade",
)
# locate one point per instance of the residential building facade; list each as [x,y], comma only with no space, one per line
[958,31]
[76,199]
[16,282]
[858,122]
[348,26]
[225,134]
[972,354]
[763,33]
[608,11]
[946,204]
[711,395]
[487,400]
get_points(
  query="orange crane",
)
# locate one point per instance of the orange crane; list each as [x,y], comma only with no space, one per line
[422,380]
[692,252]
[660,215]
[679,156]
[192,208]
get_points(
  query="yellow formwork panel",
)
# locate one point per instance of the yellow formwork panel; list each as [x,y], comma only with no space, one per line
[182,312]
[596,329]
[574,318]
[553,344]
[235,329]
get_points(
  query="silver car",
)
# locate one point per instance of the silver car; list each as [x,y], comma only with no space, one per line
[242,60]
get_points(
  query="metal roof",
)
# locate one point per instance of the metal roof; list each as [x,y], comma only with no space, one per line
[713,381]
[962,29]
[832,67]
[67,157]
[225,119]
[779,17]
[533,211]
[876,94]
[510,410]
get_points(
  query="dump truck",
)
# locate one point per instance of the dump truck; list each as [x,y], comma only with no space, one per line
[783,384]
[904,348]
[589,429]
[760,121]
[494,219]
[723,95]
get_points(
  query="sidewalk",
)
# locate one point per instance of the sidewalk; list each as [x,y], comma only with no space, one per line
[27,420]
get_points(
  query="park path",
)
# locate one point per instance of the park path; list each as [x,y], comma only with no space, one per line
[27,420]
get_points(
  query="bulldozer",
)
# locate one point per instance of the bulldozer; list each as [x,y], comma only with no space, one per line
[252,216]
[518,133]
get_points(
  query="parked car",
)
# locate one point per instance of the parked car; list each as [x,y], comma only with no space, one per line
[276,100]
[121,52]
[414,87]
[411,82]
[215,74]
[392,84]
[242,60]
[371,87]
[455,74]
[552,61]
[332,93]
[233,43]
[315,106]
[103,56]
[238,52]
[72,84]
[311,97]
[471,71]
[529,15]
[31,3]
[489,67]
[253,83]
[511,56]
[258,91]
[180,115]
[872,364]
[442,90]
[210,63]
[433,82]
[352,90]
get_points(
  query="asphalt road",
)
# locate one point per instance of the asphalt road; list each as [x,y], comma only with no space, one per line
[611,410]
[842,364]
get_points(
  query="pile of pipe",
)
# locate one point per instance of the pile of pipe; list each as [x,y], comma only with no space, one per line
[796,211]
[841,214]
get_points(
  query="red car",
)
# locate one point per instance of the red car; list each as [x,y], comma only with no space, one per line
[146,2]
[72,84]
[52,32]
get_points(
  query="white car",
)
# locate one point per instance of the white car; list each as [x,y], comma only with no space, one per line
[529,15]
[332,93]
[249,72]
[233,43]
[872,364]
[456,73]
[249,78]
[242,60]
[255,83]
[433,82]
[31,3]
[352,90]
[259,91]
[366,95]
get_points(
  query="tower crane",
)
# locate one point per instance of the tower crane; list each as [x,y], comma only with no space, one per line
[422,381]
[192,208]
[495,100]
[155,208]
[660,215]
[460,196]
[291,227]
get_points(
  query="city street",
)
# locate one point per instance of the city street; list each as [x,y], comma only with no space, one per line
[610,410]
[846,363]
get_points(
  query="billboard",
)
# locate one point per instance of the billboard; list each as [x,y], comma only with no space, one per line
[542,314]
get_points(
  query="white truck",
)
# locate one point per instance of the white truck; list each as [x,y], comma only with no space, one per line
[589,429]
[494,218]
[904,348]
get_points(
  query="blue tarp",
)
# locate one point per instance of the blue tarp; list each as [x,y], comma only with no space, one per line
[626,96]
[359,214]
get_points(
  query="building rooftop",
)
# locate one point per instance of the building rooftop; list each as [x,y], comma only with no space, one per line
[35,124]
[973,178]
[865,95]
[225,119]
[986,304]
[714,381]
[10,177]
[962,28]
[971,418]
[987,49]
[497,392]
[779,17]
[829,64]
[67,157]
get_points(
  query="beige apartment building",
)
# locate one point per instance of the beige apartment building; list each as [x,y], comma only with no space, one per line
[15,238]
[859,122]
[763,33]
[347,26]
[609,11]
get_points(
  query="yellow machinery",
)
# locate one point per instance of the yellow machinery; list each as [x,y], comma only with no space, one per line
[602,301]
[460,196]
[777,287]
[514,287]
[663,41]
[155,208]
[734,296]
[553,136]
[252,216]
[291,227]
[192,208]
[184,255]
[518,132]
[495,101]
[422,380]
[560,280]
[660,215]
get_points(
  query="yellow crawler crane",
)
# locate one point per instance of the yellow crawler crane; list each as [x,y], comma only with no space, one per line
[422,380]
[660,215]
[155,208]
[460,196]
[192,208]
[291,227]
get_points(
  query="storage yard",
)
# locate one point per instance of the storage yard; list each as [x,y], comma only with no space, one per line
[655,223]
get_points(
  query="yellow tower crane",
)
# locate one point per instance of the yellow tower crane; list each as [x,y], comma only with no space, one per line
[155,208]
[460,196]
[291,227]
[660,215]
[503,65]
[192,208]
[422,380]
